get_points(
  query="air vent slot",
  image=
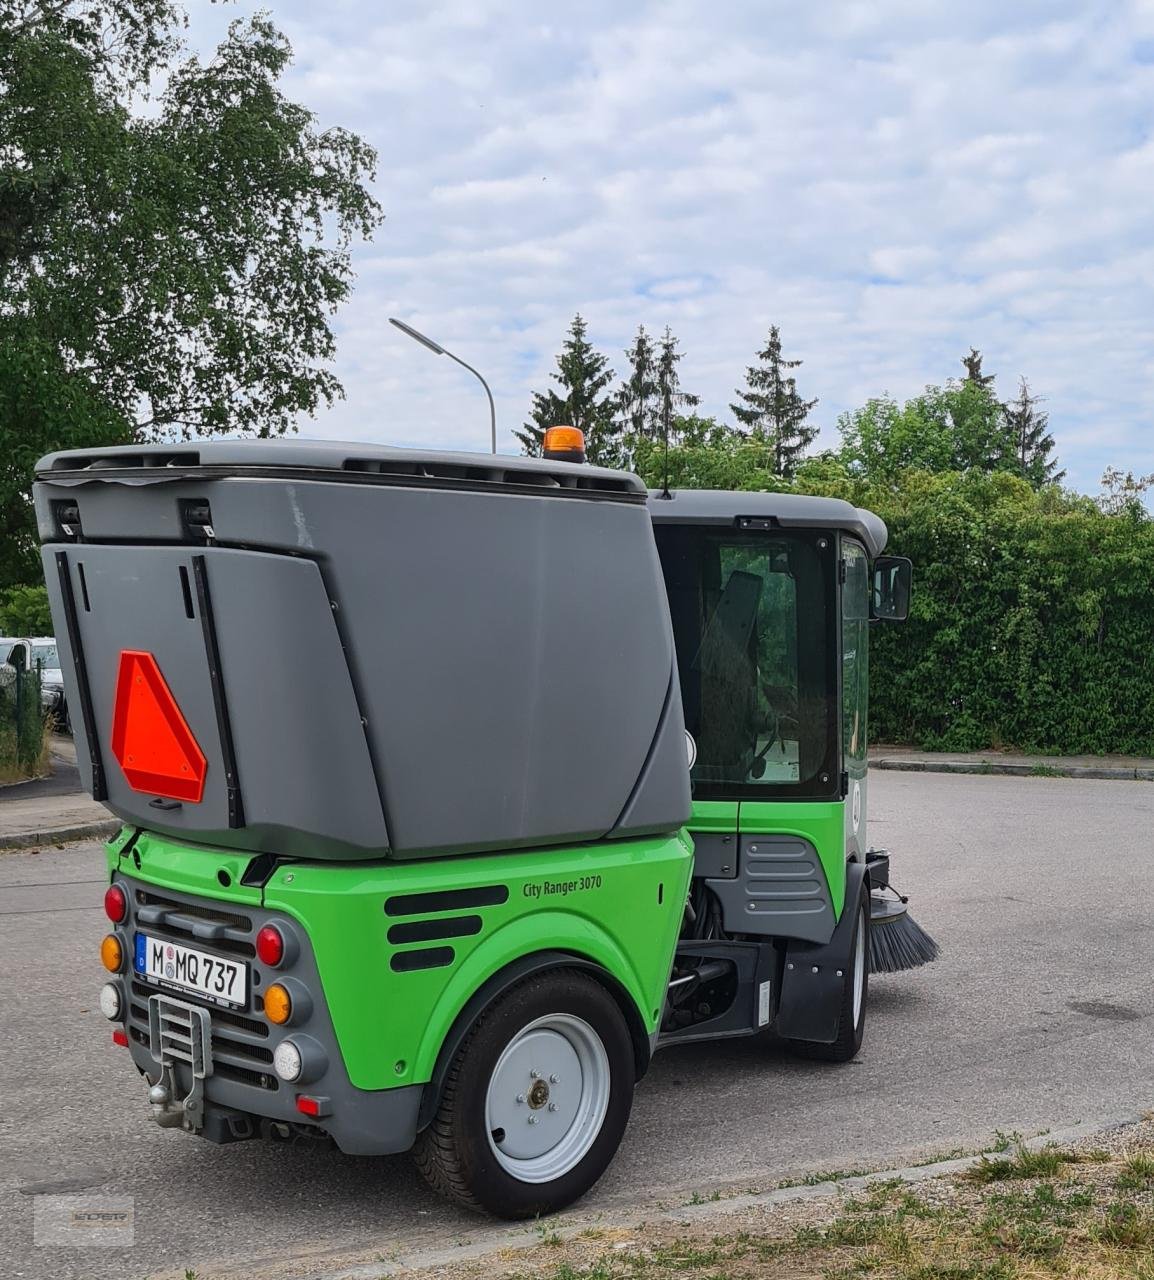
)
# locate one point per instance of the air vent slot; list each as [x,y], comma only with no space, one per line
[483,473]
[125,461]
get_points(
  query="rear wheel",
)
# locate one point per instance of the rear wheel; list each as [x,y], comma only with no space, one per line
[855,990]
[536,1101]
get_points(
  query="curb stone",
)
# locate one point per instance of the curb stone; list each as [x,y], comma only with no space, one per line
[19,782]
[506,1240]
[59,835]
[1003,769]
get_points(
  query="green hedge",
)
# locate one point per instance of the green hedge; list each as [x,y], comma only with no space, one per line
[1032,624]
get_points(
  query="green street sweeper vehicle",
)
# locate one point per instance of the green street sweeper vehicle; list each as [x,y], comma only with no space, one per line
[454,787]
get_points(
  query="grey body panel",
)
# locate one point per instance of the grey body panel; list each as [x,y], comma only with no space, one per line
[362,1121]
[714,855]
[503,629]
[305,773]
[780,890]
[786,510]
[156,463]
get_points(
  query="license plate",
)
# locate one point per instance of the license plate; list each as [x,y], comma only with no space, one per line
[180,968]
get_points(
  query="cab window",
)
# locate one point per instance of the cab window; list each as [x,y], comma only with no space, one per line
[755,633]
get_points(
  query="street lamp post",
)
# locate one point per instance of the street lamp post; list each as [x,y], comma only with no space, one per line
[437,349]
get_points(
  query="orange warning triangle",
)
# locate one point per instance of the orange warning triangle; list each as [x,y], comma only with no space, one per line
[150,737]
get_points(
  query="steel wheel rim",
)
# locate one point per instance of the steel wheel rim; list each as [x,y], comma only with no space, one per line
[859,968]
[541,1126]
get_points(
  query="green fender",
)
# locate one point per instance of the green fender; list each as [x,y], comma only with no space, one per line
[517,941]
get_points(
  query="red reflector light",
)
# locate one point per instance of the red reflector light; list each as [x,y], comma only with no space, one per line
[120,1037]
[115,904]
[308,1106]
[150,737]
[270,946]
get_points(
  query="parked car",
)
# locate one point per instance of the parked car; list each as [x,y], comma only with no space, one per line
[28,654]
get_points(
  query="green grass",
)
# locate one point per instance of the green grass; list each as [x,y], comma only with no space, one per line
[1046,1162]
[1050,1214]
[23,729]
[819,1179]
[1126,1226]
[1137,1174]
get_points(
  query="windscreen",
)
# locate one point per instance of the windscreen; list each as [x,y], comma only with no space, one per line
[755,629]
[45,655]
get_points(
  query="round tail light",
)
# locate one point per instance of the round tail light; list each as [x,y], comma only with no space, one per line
[115,904]
[278,1005]
[270,945]
[112,954]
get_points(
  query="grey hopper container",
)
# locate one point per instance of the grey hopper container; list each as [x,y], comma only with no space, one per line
[379,652]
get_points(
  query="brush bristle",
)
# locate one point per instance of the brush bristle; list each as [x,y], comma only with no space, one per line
[901,944]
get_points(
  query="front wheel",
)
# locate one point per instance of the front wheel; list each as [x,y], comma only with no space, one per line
[855,989]
[536,1101]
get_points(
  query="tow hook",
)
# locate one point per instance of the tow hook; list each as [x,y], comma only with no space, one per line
[179,1032]
[171,1113]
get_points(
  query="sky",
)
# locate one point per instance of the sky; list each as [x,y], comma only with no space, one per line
[889,181]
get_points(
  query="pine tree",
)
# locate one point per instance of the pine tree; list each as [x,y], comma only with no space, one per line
[983,437]
[771,410]
[973,366]
[671,400]
[1033,444]
[637,399]
[583,375]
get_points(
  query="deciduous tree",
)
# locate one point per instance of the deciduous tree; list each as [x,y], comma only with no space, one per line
[168,272]
[1124,493]
[958,427]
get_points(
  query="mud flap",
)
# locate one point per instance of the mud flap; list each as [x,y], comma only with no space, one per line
[811,988]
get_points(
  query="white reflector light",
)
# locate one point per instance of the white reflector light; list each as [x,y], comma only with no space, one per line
[286,1061]
[110,1001]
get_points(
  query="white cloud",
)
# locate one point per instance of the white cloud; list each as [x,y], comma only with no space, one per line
[888,181]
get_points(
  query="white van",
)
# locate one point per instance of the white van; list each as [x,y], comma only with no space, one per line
[26,654]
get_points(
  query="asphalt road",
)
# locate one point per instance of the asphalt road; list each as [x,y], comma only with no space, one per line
[63,780]
[1039,1015]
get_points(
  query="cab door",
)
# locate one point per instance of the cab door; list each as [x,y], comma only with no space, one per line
[855,588]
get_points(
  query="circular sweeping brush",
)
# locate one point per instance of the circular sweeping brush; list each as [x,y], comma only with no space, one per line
[897,941]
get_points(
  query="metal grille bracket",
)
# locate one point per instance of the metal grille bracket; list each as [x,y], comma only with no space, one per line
[180,1032]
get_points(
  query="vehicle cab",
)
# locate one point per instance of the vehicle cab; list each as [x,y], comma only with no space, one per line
[36,654]
[771,596]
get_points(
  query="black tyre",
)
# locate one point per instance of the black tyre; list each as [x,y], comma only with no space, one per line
[536,1101]
[854,999]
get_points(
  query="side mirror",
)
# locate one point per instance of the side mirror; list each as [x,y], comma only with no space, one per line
[890,600]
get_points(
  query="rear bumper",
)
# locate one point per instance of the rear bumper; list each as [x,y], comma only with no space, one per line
[361,1123]
[241,1096]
